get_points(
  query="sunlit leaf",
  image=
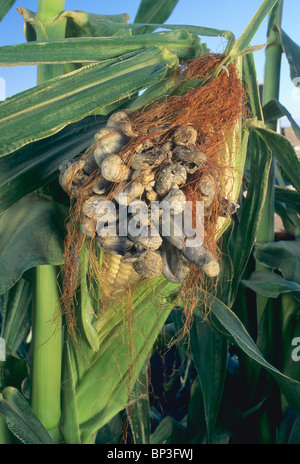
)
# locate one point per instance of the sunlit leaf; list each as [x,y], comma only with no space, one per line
[5,6]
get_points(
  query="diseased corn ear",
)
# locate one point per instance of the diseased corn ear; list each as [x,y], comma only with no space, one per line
[164,160]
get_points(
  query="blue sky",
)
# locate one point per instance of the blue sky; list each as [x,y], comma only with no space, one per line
[222,14]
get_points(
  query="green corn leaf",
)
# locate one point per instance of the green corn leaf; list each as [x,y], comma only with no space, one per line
[198,30]
[32,234]
[86,50]
[111,433]
[48,107]
[36,164]
[21,420]
[284,152]
[30,23]
[250,82]
[105,379]
[16,315]
[238,333]
[283,256]
[270,285]
[273,110]
[153,11]
[69,423]
[244,41]
[252,207]
[209,349]
[292,52]
[5,6]
[290,328]
[139,409]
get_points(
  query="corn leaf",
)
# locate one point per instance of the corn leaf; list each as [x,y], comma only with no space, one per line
[69,424]
[169,432]
[35,225]
[5,6]
[82,24]
[198,30]
[139,409]
[153,11]
[244,41]
[16,315]
[105,379]
[96,49]
[273,110]
[290,326]
[292,52]
[271,285]
[234,327]
[20,418]
[284,152]
[36,164]
[86,308]
[252,207]
[288,196]
[209,349]
[250,82]
[48,107]
[283,256]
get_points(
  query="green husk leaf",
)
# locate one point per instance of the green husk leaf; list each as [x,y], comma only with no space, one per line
[283,256]
[30,23]
[243,42]
[16,315]
[238,333]
[82,24]
[252,208]
[48,107]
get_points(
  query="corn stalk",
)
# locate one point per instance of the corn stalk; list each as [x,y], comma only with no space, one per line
[47,325]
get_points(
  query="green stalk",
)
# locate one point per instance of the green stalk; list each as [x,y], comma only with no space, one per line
[266,227]
[270,91]
[50,27]
[47,324]
[46,350]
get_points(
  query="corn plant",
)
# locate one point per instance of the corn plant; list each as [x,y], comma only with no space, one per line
[82,316]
